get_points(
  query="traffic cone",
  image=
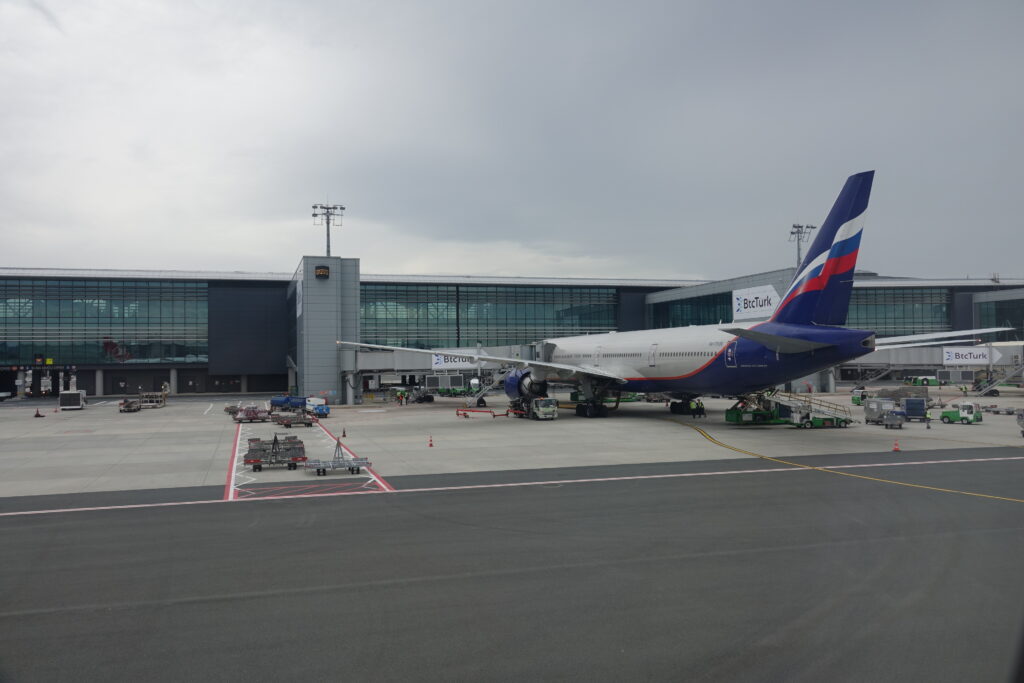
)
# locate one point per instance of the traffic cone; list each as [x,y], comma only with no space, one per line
[896,446]
[343,434]
[430,442]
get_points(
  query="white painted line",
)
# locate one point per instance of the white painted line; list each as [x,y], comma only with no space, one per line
[472,487]
[101,403]
[208,409]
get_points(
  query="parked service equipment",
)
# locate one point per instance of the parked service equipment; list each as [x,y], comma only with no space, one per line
[152,399]
[859,396]
[963,412]
[1020,421]
[71,400]
[916,409]
[894,419]
[876,408]
[232,410]
[342,459]
[251,414]
[4,394]
[290,420]
[288,451]
[129,405]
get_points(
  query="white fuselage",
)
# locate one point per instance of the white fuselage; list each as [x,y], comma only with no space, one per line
[645,354]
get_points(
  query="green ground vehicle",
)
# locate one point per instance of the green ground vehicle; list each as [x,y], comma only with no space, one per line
[859,396]
[816,421]
[922,381]
[963,412]
[742,413]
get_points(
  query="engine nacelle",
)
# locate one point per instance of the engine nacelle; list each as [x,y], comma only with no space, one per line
[521,384]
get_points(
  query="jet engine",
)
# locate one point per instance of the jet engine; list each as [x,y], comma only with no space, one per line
[521,384]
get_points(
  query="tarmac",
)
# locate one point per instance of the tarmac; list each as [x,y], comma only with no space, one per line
[640,546]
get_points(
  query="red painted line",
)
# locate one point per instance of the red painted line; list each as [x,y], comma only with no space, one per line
[379,479]
[229,484]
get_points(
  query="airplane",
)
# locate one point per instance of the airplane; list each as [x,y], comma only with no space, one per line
[803,336]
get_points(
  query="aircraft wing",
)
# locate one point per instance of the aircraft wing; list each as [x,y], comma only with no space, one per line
[519,362]
[951,337]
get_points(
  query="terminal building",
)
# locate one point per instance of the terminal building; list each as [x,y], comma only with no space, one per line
[115,332]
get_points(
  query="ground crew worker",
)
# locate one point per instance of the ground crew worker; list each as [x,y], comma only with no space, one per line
[700,409]
[693,407]
[928,419]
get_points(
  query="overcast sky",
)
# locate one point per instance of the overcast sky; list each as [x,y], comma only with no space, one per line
[626,139]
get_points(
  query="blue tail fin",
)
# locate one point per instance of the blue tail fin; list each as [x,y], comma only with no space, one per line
[820,292]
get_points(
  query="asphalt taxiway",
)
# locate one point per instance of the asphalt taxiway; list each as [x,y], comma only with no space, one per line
[761,562]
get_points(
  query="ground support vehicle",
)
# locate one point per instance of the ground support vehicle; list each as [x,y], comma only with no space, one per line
[71,400]
[129,405]
[915,408]
[152,399]
[808,411]
[876,408]
[232,410]
[289,420]
[251,414]
[760,412]
[535,409]
[288,451]
[1020,421]
[894,419]
[341,459]
[963,412]
[859,396]
[4,395]
[929,381]
[816,421]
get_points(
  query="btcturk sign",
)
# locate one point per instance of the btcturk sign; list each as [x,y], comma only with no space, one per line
[969,355]
[754,302]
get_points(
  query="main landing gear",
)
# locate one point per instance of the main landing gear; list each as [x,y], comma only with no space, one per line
[591,409]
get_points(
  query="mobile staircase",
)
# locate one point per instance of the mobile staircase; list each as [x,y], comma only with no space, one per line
[809,411]
[993,383]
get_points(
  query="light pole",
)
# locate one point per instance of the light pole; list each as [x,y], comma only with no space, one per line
[326,211]
[798,234]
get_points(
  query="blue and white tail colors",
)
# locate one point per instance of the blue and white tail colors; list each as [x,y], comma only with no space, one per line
[820,293]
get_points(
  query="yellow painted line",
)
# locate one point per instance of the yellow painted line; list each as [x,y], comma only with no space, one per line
[844,474]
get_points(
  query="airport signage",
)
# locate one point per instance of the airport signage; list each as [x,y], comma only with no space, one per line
[444,361]
[322,272]
[969,355]
[754,302]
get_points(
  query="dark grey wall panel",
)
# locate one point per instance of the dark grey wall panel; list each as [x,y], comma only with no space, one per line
[631,310]
[248,328]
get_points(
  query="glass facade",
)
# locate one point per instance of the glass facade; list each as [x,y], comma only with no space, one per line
[709,309]
[451,315]
[102,322]
[1002,314]
[896,311]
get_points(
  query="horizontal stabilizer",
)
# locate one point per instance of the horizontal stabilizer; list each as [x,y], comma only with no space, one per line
[776,342]
[913,338]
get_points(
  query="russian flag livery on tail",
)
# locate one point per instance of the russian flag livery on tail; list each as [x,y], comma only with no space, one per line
[820,293]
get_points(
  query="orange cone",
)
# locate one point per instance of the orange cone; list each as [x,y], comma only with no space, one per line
[430,442]
[896,446]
